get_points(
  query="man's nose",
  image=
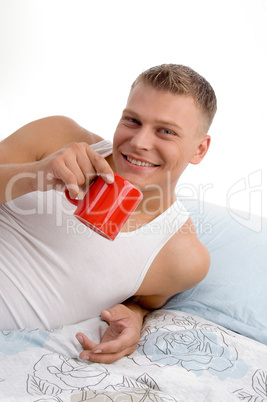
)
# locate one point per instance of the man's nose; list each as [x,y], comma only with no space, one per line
[142,139]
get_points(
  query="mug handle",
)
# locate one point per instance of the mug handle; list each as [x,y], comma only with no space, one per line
[72,200]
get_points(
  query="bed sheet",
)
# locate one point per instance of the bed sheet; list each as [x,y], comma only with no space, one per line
[180,357]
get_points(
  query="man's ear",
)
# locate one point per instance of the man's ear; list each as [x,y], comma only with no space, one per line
[201,150]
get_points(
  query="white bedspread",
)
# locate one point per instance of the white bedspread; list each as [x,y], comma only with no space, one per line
[180,358]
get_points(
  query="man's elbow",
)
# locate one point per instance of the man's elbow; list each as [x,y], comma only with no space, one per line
[200,268]
[152,302]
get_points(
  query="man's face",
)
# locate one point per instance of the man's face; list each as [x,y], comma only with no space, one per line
[156,138]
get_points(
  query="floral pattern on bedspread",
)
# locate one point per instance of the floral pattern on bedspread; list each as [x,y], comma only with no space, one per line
[195,346]
[257,391]
[180,357]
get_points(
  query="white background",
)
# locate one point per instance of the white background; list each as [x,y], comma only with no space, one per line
[78,58]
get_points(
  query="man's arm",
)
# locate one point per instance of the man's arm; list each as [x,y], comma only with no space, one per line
[55,146]
[59,149]
[41,138]
[181,264]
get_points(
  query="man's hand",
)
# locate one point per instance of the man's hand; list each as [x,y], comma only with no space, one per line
[120,339]
[73,166]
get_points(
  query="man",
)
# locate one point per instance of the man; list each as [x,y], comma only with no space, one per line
[162,129]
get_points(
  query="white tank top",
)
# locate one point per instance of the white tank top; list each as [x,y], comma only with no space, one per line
[55,271]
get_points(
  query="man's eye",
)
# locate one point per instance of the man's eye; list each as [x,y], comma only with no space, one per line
[134,121]
[166,131]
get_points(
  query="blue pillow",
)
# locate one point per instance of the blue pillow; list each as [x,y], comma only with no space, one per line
[234,293]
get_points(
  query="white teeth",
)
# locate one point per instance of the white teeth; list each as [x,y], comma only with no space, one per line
[139,163]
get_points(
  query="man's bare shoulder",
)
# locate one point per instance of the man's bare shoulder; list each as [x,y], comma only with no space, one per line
[41,138]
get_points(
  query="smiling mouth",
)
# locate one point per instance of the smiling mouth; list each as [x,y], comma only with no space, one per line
[137,162]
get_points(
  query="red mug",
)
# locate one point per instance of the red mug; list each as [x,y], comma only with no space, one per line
[106,207]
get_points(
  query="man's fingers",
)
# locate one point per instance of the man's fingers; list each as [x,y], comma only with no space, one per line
[95,353]
[105,352]
[107,358]
[118,312]
[115,346]
[122,343]
[106,315]
[101,357]
[101,166]
[85,341]
[76,165]
[65,175]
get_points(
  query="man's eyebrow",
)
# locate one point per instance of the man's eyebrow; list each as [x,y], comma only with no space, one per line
[130,111]
[169,123]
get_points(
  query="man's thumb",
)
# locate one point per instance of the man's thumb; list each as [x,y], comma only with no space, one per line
[106,315]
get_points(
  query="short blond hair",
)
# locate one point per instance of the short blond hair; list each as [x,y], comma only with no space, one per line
[182,80]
